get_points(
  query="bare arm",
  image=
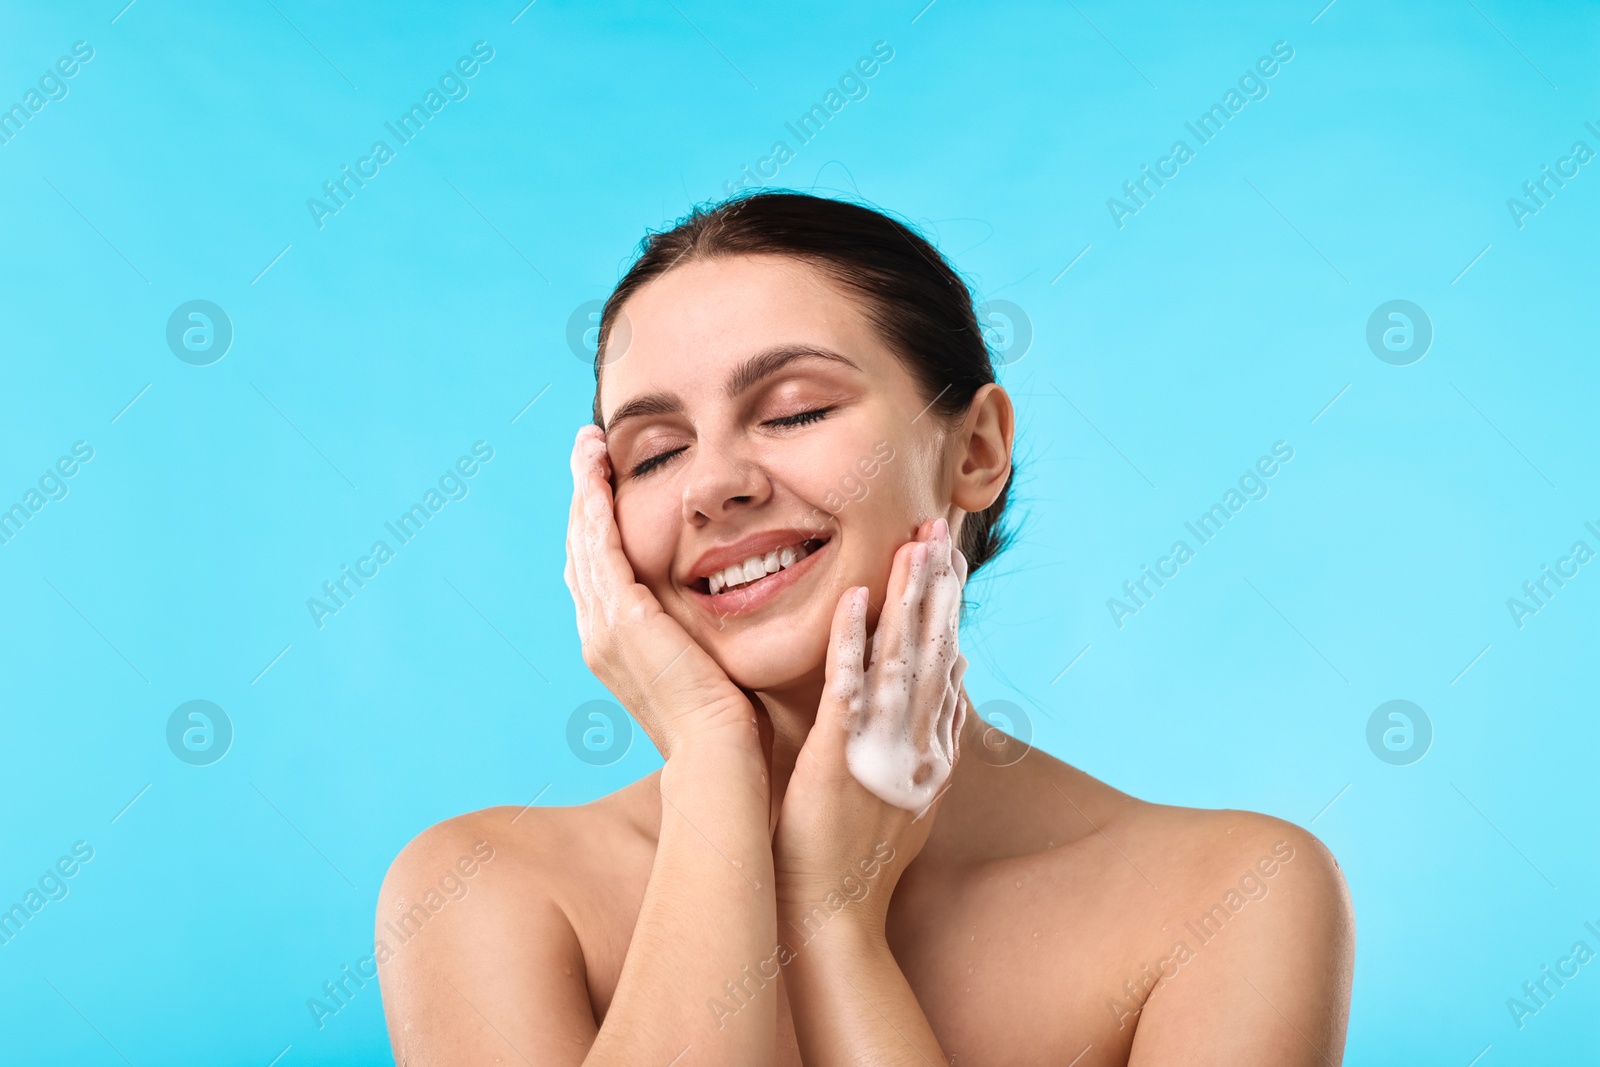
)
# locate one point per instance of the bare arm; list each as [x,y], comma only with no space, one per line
[853,1004]
[1273,985]
[493,971]
[498,970]
[503,980]
[843,841]
[708,915]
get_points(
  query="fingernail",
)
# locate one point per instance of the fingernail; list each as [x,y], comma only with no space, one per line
[941,529]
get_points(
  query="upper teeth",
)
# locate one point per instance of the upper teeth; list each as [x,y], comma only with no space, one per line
[757,567]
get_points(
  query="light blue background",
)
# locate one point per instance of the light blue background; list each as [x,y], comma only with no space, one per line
[426,315]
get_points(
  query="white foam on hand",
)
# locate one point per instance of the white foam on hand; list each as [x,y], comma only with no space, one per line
[904,709]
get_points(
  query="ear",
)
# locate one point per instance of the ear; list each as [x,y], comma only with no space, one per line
[983,449]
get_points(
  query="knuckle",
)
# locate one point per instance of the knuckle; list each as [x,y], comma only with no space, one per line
[637,610]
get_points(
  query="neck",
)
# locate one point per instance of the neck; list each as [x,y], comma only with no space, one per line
[788,715]
[792,711]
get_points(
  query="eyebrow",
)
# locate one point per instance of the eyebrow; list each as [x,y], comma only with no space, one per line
[762,365]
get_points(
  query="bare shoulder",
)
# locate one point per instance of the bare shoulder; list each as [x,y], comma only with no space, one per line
[1256,928]
[1178,864]
[544,845]
[472,881]
[491,914]
[1212,848]
[473,842]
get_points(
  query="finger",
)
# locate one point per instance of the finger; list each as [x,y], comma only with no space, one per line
[915,600]
[921,690]
[893,640]
[579,602]
[602,562]
[939,719]
[575,539]
[961,724]
[581,459]
[944,610]
[931,708]
[825,751]
[570,575]
[942,552]
[582,462]
[935,643]
[945,733]
[844,671]
[578,549]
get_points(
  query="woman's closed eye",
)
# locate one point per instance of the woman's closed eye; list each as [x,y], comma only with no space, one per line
[802,418]
[645,466]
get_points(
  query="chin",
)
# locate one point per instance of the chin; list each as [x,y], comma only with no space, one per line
[776,653]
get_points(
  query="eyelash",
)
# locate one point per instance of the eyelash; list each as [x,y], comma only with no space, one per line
[646,466]
[803,418]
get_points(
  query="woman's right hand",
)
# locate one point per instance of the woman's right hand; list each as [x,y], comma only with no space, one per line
[675,691]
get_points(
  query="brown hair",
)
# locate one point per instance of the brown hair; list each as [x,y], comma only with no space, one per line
[921,308]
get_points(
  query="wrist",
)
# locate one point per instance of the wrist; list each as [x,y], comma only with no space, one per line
[726,726]
[855,890]
[847,920]
[823,941]
[716,756]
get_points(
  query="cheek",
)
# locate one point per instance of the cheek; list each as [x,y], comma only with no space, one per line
[813,467]
[824,469]
[897,497]
[875,526]
[643,519]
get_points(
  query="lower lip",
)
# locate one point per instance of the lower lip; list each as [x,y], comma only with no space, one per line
[755,597]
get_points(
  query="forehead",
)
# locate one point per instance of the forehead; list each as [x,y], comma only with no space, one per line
[693,324]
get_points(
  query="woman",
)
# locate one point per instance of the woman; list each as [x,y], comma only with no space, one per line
[799,442]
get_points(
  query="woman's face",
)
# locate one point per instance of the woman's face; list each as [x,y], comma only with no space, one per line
[755,413]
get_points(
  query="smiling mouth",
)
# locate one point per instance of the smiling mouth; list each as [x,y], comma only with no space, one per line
[749,574]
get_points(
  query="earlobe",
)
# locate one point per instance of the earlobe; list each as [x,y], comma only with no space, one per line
[984,461]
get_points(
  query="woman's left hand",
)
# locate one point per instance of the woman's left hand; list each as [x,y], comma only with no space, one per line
[865,788]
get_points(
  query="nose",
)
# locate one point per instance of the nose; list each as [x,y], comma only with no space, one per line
[721,482]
